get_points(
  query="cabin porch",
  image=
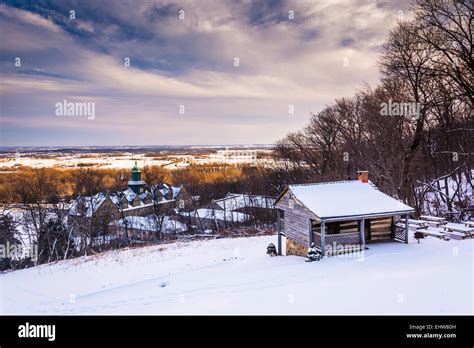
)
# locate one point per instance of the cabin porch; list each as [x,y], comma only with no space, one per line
[339,236]
[346,235]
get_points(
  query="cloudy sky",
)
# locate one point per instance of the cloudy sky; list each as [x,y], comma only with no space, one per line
[182,85]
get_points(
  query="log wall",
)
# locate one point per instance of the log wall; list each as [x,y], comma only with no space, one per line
[380,229]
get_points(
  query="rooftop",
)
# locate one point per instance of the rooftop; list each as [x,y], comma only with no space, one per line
[346,199]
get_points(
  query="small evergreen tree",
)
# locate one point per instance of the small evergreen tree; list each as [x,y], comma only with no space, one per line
[271,250]
[313,254]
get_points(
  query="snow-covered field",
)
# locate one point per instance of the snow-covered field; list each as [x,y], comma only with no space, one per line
[235,276]
[125,160]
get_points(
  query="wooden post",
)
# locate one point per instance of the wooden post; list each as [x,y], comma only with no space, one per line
[406,229]
[278,232]
[323,238]
[362,233]
[310,236]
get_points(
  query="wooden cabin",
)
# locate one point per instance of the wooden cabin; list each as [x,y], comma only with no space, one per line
[338,217]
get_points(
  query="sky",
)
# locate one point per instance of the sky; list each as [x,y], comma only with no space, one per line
[182,72]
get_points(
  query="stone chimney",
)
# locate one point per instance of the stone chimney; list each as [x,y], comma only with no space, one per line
[363,176]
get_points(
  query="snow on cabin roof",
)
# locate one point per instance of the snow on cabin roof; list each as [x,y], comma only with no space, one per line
[346,199]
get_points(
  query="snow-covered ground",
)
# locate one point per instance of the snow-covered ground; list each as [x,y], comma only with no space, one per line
[235,276]
[125,161]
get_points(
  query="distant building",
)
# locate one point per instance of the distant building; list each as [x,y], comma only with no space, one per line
[258,206]
[137,200]
[234,208]
[235,156]
[147,227]
[214,219]
[245,203]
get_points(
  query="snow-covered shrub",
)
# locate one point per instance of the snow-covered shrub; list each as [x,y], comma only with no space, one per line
[313,254]
[271,250]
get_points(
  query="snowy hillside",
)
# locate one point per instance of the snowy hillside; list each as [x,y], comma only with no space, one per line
[227,276]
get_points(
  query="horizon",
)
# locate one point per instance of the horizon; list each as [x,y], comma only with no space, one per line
[141,146]
[223,73]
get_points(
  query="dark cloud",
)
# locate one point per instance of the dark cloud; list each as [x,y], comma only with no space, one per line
[346,42]
[267,12]
[43,73]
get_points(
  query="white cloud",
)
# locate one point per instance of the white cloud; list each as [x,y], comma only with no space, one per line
[281,63]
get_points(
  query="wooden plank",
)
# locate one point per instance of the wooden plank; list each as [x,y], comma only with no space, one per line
[433,233]
[386,237]
[349,230]
[349,223]
[384,233]
[384,220]
[380,229]
[380,226]
[412,226]
[457,227]
[415,221]
[432,218]
[455,235]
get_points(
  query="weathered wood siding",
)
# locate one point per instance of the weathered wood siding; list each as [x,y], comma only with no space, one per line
[339,227]
[297,219]
[380,229]
[349,226]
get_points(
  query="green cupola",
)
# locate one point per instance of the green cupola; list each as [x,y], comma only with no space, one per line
[136,173]
[136,183]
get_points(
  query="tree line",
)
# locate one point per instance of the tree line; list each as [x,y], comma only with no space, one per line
[414,131]
[38,211]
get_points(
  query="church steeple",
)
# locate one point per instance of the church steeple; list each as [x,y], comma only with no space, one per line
[136,183]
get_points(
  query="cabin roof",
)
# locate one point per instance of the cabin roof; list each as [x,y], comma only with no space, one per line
[341,199]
